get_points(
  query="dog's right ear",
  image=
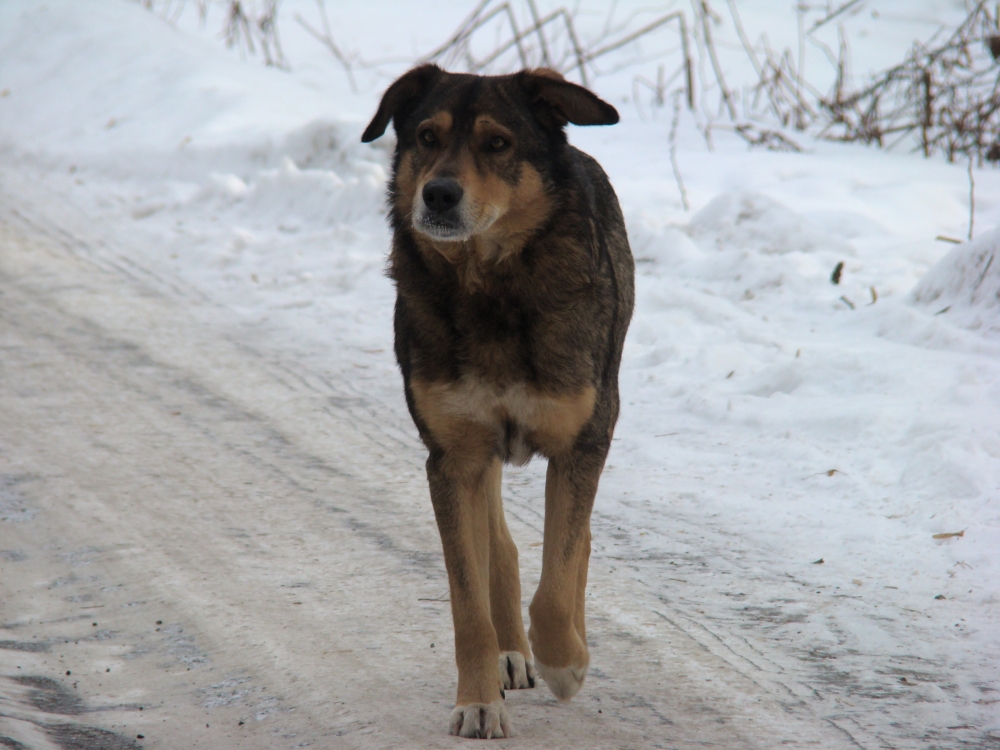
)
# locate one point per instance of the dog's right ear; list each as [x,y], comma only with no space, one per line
[399,97]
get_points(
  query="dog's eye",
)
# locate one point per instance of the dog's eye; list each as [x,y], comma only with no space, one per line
[497,143]
[427,136]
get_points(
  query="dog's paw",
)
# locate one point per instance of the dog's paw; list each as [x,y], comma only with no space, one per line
[516,672]
[564,682]
[484,721]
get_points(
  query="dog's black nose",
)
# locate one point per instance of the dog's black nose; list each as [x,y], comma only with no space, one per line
[442,194]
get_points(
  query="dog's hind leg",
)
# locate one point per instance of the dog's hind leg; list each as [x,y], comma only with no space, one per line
[558,634]
[460,484]
[517,671]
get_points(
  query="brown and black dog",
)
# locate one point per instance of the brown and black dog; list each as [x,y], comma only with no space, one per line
[515,286]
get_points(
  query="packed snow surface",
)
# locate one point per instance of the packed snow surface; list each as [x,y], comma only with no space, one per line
[790,450]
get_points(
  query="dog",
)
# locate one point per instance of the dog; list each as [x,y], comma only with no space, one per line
[514,290]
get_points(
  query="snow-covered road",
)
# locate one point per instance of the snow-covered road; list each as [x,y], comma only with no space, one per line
[251,540]
[210,543]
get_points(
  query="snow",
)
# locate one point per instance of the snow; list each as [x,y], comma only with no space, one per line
[788,447]
[965,285]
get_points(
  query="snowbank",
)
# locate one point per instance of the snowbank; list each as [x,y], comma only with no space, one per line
[964,286]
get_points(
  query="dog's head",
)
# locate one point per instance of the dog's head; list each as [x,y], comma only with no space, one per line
[476,155]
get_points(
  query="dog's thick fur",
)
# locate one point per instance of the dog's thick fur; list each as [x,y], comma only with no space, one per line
[515,286]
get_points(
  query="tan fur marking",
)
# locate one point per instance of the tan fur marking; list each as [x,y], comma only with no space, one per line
[453,410]
[486,127]
[406,183]
[528,208]
[440,123]
[453,430]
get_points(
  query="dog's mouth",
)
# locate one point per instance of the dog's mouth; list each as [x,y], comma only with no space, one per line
[448,226]
[455,225]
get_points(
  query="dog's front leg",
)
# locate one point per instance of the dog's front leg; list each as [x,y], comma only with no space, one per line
[517,670]
[459,484]
[558,634]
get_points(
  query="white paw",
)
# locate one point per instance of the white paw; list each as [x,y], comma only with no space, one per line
[480,720]
[564,682]
[516,672]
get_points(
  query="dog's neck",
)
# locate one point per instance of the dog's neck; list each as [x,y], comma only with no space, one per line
[473,259]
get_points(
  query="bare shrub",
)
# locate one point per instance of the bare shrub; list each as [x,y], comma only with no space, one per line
[499,36]
[946,95]
[554,41]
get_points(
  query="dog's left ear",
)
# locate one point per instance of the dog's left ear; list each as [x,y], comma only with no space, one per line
[565,101]
[404,93]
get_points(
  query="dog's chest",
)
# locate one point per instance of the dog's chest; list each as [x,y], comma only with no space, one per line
[509,366]
[506,342]
[521,418]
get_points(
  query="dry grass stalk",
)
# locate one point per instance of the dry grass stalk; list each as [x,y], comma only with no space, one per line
[673,150]
[949,535]
[246,23]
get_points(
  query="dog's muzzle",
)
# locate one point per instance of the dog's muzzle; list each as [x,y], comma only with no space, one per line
[439,213]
